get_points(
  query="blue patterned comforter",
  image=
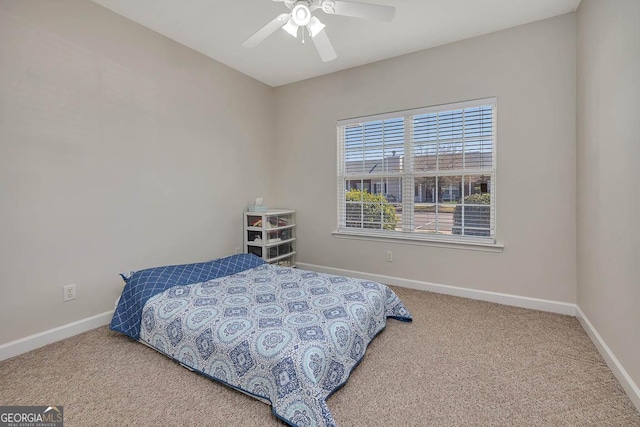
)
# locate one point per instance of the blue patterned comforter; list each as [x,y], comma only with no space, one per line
[288,336]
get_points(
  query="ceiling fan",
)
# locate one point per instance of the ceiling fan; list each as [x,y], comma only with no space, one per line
[300,16]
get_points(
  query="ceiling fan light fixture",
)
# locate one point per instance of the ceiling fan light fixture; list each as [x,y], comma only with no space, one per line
[301,14]
[315,26]
[291,27]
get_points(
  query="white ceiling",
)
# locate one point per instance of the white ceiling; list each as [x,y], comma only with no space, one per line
[217,29]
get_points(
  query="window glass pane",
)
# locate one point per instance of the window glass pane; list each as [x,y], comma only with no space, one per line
[353,215]
[425,190]
[478,154]
[476,185]
[453,140]
[392,189]
[425,218]
[473,216]
[478,122]
[425,198]
[445,218]
[449,189]
[372,215]
[450,155]
[374,147]
[450,125]
[472,220]
[425,157]
[425,141]
[354,184]
[392,216]
[477,220]
[381,211]
[433,218]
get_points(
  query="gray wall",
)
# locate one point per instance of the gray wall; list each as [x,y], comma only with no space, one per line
[608,205]
[119,149]
[531,69]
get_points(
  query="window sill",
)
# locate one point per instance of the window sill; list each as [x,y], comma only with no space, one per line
[472,245]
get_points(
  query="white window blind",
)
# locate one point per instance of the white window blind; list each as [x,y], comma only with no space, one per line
[427,173]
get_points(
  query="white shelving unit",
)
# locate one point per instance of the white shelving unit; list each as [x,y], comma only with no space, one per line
[271,235]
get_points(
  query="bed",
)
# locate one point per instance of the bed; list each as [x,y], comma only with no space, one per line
[286,336]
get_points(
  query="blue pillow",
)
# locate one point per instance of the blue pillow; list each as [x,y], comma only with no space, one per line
[142,285]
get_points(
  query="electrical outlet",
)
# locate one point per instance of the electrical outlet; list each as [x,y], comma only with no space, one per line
[237,250]
[389,256]
[69,293]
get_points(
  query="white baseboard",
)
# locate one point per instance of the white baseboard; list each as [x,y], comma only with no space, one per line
[41,339]
[506,299]
[614,364]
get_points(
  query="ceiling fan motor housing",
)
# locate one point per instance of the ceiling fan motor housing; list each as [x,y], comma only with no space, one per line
[301,13]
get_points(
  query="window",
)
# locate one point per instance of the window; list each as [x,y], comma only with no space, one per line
[426,174]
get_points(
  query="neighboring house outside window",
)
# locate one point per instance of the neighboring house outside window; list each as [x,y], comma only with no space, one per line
[426,174]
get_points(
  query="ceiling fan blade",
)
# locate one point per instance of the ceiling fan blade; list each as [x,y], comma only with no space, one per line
[324,46]
[267,30]
[362,10]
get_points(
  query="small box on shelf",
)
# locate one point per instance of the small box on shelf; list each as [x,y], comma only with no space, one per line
[255,250]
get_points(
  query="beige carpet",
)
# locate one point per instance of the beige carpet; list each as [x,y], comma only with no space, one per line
[461,362]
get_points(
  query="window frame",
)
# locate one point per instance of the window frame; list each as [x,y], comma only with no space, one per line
[409,177]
